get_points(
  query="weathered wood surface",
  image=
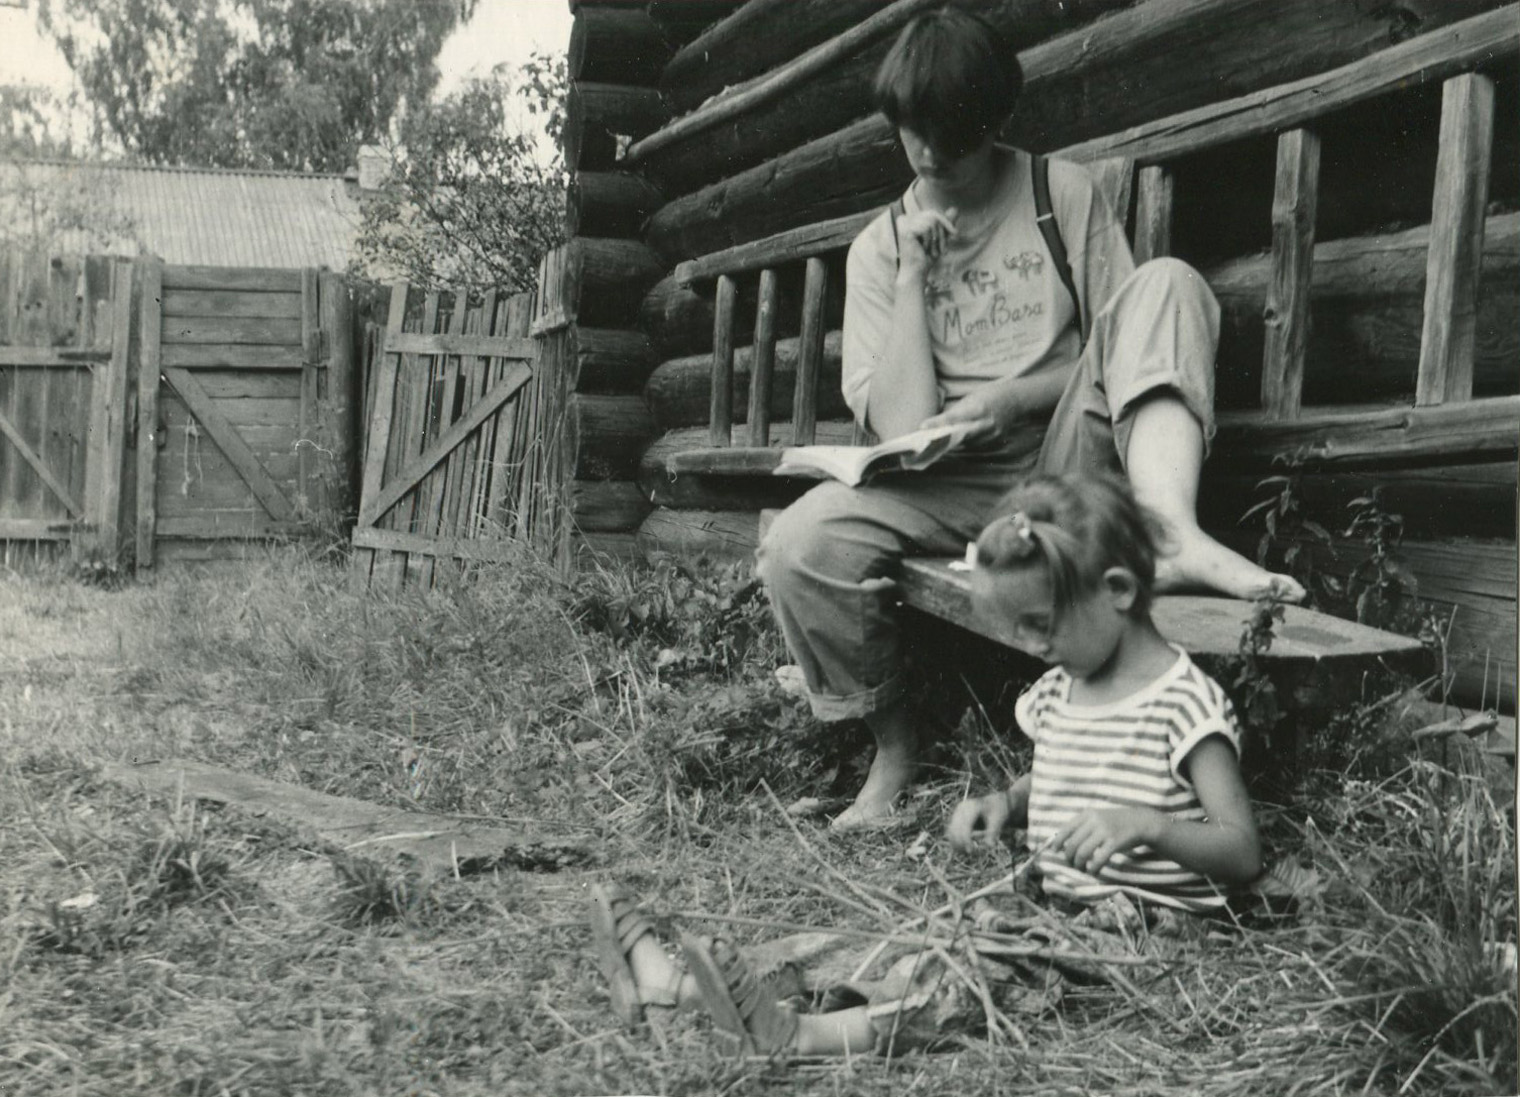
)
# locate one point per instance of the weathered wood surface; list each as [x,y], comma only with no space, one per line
[598,281]
[720,408]
[607,506]
[150,326]
[608,360]
[610,433]
[1154,193]
[1456,239]
[1204,625]
[1153,60]
[679,470]
[679,391]
[614,45]
[718,535]
[609,203]
[763,362]
[442,844]
[1294,205]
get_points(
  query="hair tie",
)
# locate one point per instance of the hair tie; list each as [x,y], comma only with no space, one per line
[1023,529]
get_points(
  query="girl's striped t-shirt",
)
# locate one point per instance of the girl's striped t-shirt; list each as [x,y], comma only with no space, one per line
[1127,753]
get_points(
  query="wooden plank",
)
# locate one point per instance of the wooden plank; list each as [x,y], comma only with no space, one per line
[210,303]
[1153,213]
[382,414]
[1441,53]
[720,413]
[417,382]
[306,413]
[810,352]
[777,250]
[762,373]
[32,458]
[447,491]
[1362,437]
[461,548]
[339,421]
[255,279]
[1295,203]
[464,505]
[1114,178]
[111,390]
[1456,240]
[233,330]
[415,470]
[1202,625]
[484,346]
[222,356]
[49,357]
[34,529]
[231,445]
[148,380]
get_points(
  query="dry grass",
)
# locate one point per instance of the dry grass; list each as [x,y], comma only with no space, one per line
[148,946]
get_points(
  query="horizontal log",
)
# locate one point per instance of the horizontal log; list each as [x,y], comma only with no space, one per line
[1436,501]
[677,319]
[602,282]
[1426,59]
[599,547]
[679,391]
[608,360]
[607,506]
[469,346]
[726,536]
[790,246]
[617,108]
[589,148]
[615,45]
[683,20]
[1148,61]
[252,279]
[609,203]
[608,435]
[757,38]
[1373,437]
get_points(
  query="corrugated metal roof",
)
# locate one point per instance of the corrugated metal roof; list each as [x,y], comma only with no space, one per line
[204,217]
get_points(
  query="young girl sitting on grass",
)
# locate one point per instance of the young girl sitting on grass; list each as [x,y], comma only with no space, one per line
[1134,800]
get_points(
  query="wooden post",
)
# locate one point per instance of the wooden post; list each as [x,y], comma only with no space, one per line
[721,414]
[1456,240]
[1153,213]
[148,366]
[763,362]
[338,420]
[1114,178]
[387,566]
[108,425]
[1294,204]
[809,353]
[311,352]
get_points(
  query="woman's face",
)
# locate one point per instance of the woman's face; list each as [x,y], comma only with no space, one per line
[948,173]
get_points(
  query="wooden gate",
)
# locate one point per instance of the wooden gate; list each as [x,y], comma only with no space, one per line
[454,448]
[64,352]
[243,408]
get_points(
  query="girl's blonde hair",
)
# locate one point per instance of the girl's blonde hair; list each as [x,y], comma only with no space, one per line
[1076,528]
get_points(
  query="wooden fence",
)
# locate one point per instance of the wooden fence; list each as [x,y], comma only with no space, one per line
[64,357]
[460,460]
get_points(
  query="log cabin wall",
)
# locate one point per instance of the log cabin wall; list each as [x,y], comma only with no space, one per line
[767,127]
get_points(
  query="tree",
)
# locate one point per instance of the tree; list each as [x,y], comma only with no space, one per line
[290,84]
[469,201]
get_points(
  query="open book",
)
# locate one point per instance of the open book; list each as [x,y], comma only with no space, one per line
[852,464]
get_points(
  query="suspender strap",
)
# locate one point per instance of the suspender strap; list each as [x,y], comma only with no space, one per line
[898,209]
[1050,228]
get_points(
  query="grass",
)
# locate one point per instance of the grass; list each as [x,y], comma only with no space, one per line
[163,946]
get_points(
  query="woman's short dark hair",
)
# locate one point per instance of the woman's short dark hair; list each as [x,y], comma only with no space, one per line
[950,78]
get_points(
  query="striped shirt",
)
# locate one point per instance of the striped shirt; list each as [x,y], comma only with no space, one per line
[1126,753]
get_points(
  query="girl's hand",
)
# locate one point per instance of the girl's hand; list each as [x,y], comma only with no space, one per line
[986,406]
[1088,842]
[922,237]
[981,815]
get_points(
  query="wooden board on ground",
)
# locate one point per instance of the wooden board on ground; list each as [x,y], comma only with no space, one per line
[1203,625]
[442,843]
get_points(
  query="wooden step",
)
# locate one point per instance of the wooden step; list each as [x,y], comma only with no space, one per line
[1201,624]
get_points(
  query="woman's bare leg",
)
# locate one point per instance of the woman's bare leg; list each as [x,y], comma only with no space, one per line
[1164,462]
[892,768]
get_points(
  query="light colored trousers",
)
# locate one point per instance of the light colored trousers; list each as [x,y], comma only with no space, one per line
[830,560]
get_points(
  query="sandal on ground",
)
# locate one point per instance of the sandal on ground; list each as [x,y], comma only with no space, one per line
[737,1001]
[617,922]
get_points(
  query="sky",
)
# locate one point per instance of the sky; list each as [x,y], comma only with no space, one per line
[501,31]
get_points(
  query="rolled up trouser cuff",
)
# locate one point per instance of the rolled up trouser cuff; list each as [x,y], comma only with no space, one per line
[856,706]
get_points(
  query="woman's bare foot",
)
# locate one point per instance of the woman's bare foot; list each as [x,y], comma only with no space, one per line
[1191,559]
[892,770]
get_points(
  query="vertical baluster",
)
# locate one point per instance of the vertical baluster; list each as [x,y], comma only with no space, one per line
[1456,240]
[721,412]
[763,361]
[1153,213]
[1286,315]
[809,354]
